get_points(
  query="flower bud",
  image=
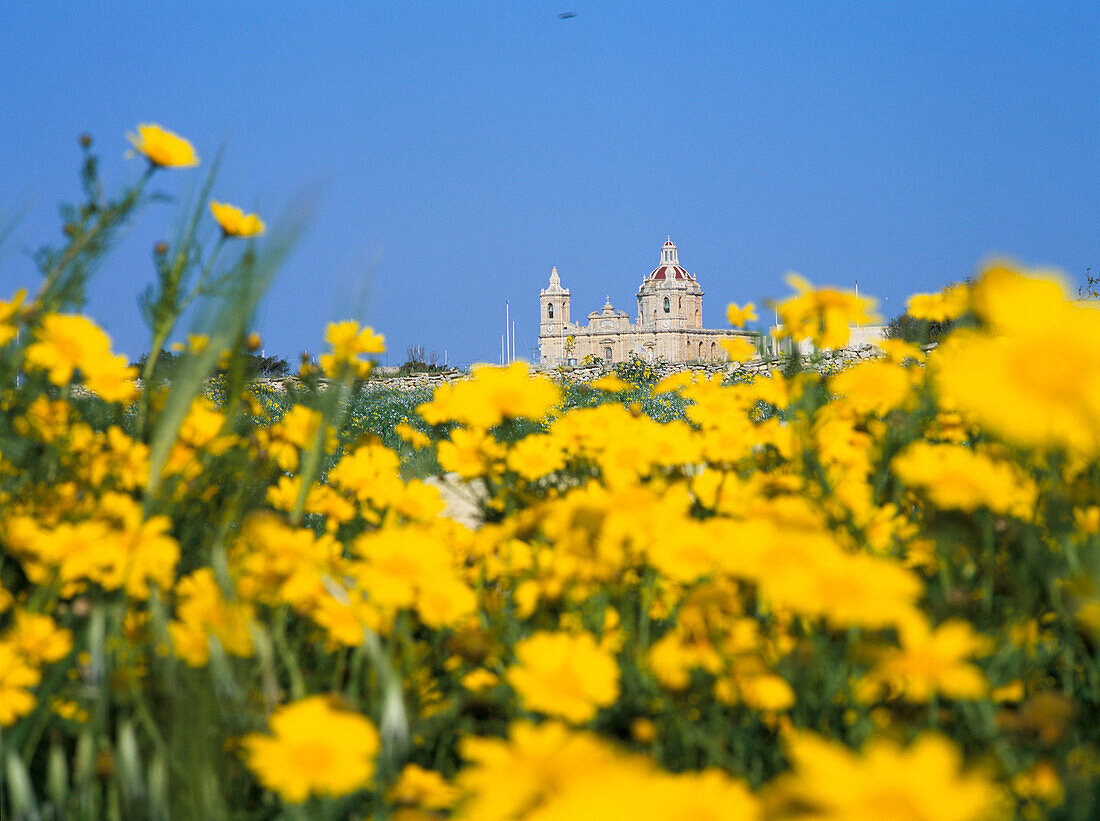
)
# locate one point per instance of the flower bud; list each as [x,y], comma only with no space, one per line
[104,763]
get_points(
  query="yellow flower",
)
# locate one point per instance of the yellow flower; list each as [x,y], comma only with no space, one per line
[38,638]
[547,773]
[643,730]
[739,350]
[1005,377]
[163,148]
[633,790]
[16,679]
[408,433]
[68,710]
[564,676]
[930,662]
[490,396]
[349,342]
[959,478]
[9,313]
[822,314]
[535,456]
[950,303]
[1087,520]
[314,749]
[1011,693]
[739,316]
[444,601]
[480,679]
[203,611]
[507,777]
[873,387]
[236,223]
[809,573]
[422,788]
[674,382]
[767,693]
[412,566]
[610,383]
[922,782]
[68,342]
[1040,783]
[469,453]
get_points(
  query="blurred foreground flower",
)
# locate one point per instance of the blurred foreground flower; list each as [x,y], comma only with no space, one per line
[610,383]
[547,772]
[315,749]
[17,677]
[822,314]
[69,342]
[1004,377]
[348,343]
[9,314]
[565,676]
[163,148]
[885,781]
[739,316]
[739,350]
[950,303]
[235,222]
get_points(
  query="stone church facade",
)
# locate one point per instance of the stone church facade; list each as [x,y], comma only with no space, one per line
[669,325]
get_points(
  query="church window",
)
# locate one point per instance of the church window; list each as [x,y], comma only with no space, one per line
[668,305]
[550,310]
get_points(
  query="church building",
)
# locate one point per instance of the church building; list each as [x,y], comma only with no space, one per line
[669,326]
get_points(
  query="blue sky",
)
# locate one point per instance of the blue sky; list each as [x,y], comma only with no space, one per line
[455,151]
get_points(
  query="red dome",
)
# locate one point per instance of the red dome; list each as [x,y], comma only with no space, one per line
[669,272]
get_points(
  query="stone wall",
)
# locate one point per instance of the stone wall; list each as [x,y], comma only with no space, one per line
[826,361]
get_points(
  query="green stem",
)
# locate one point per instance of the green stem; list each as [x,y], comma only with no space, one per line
[167,325]
[106,218]
[297,681]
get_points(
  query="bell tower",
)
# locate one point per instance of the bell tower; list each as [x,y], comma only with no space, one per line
[553,320]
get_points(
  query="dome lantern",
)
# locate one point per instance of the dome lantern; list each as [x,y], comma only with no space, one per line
[669,268]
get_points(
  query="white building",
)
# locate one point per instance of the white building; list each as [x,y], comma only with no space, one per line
[669,324]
